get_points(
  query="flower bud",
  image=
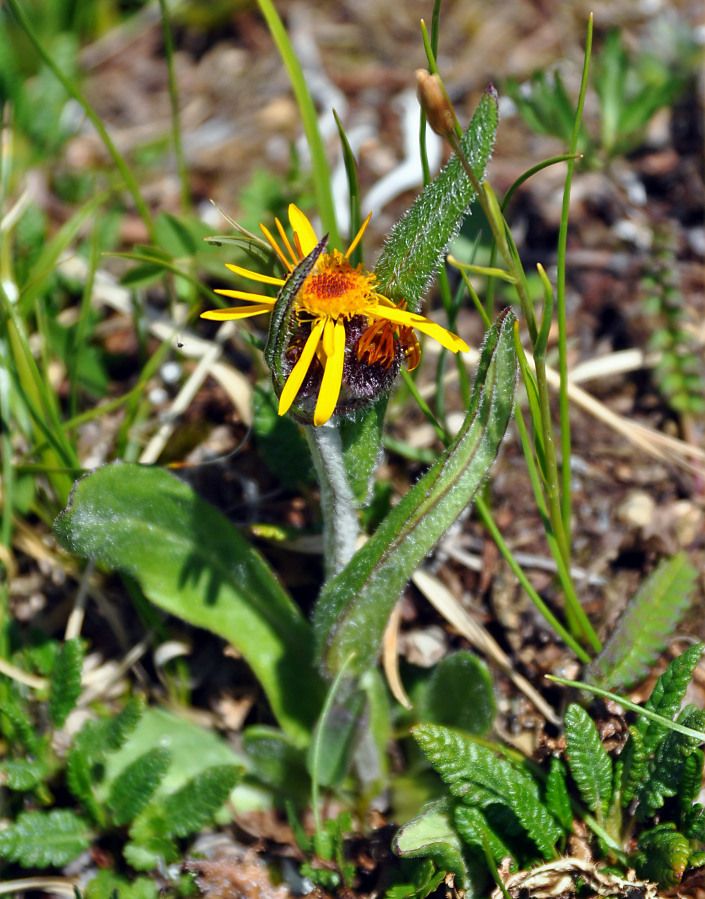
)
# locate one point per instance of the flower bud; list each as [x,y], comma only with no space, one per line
[435,103]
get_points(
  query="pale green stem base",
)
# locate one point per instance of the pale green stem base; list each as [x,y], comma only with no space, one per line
[340,522]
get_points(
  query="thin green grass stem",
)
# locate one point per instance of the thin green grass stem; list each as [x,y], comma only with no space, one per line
[425,408]
[319,162]
[564,403]
[80,331]
[490,525]
[73,91]
[174,102]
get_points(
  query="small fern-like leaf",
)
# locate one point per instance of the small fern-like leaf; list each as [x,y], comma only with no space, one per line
[22,774]
[479,778]
[97,738]
[668,694]
[135,785]
[643,631]
[15,723]
[662,856]
[668,764]
[635,769]
[41,839]
[557,797]
[475,829]
[65,684]
[194,805]
[589,763]
[691,779]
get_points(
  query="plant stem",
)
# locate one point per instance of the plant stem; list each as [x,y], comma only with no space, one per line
[174,101]
[340,523]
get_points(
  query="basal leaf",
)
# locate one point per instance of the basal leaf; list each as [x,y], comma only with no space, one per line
[459,694]
[432,834]
[643,631]
[475,829]
[42,839]
[668,694]
[589,763]
[353,608]
[195,804]
[478,777]
[634,759]
[557,797]
[190,561]
[662,856]
[134,786]
[65,683]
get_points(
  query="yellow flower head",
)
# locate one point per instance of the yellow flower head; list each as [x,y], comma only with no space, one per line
[349,341]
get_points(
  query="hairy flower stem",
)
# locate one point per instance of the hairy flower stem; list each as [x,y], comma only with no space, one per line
[340,522]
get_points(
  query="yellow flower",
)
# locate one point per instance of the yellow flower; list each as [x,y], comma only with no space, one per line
[345,326]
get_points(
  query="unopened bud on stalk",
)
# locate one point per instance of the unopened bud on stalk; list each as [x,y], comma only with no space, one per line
[435,103]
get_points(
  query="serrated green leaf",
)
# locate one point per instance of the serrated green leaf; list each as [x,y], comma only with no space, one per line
[479,778]
[195,804]
[431,834]
[662,856]
[109,885]
[557,796]
[644,630]
[16,723]
[668,694]
[97,738]
[634,759]
[151,843]
[691,778]
[353,608]
[135,785]
[475,829]
[65,684]
[668,764]
[22,774]
[80,779]
[587,758]
[459,694]
[192,562]
[41,839]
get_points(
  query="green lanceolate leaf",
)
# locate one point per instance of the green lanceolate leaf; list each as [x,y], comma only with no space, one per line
[557,798]
[415,247]
[459,694]
[475,829]
[65,684]
[644,629]
[432,834]
[190,561]
[354,607]
[668,694]
[634,760]
[41,839]
[194,805]
[589,763]
[477,777]
[134,786]
[411,256]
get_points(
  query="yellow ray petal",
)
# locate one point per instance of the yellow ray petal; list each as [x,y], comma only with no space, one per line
[275,246]
[298,373]
[242,295]
[223,315]
[412,319]
[303,228]
[358,236]
[332,374]
[285,240]
[254,276]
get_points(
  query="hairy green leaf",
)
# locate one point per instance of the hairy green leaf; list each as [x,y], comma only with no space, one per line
[190,561]
[194,805]
[662,856]
[557,798]
[643,631]
[41,839]
[479,778]
[135,785]
[431,834]
[635,769]
[668,694]
[353,608]
[589,763]
[415,246]
[22,774]
[65,683]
